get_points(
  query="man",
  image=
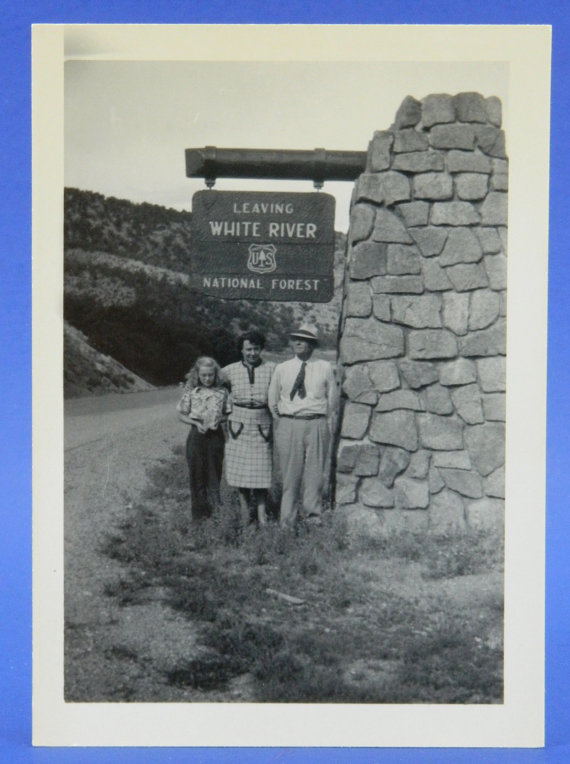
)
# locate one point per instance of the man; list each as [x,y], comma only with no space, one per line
[302,395]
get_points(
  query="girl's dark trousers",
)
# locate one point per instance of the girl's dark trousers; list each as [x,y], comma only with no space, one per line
[205,456]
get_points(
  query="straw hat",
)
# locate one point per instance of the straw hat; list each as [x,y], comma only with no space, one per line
[306,332]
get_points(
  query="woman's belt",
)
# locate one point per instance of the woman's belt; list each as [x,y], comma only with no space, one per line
[251,405]
[250,415]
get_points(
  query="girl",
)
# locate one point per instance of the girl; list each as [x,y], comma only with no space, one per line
[204,406]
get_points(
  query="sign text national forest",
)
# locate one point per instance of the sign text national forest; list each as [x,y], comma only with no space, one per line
[263,246]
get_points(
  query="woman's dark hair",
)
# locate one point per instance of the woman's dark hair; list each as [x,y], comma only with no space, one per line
[254,336]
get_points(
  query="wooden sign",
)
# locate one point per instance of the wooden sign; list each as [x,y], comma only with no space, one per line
[263,245]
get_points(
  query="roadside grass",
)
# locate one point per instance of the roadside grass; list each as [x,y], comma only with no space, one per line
[409,618]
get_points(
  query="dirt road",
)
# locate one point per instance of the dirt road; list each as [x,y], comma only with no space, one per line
[114,652]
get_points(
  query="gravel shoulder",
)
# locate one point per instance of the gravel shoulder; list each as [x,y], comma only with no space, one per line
[115,652]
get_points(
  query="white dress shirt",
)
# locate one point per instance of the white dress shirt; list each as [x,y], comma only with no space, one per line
[320,387]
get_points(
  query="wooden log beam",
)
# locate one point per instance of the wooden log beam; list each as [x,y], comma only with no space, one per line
[318,165]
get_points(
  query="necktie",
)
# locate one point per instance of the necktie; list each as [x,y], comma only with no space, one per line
[299,384]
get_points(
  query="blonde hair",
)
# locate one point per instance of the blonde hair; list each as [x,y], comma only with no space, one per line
[193,376]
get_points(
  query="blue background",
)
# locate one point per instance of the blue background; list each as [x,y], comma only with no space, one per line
[15,347]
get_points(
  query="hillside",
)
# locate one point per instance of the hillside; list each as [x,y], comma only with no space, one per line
[126,290]
[88,371]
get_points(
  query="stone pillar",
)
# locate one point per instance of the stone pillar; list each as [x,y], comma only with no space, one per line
[422,340]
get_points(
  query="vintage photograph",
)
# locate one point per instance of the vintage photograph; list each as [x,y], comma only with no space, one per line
[322,520]
[285,390]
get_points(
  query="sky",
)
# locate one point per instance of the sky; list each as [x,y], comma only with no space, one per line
[127,123]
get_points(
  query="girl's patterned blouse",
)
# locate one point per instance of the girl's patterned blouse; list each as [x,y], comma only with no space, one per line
[207,405]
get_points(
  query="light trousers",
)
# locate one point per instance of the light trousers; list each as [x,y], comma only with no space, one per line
[302,446]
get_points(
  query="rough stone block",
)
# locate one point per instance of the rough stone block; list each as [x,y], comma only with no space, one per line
[358,385]
[403,259]
[358,299]
[486,342]
[434,276]
[345,492]
[435,481]
[494,484]
[467,483]
[373,493]
[442,433]
[433,186]
[494,407]
[491,140]
[410,493]
[430,240]
[400,399]
[446,513]
[368,259]
[361,222]
[493,107]
[496,268]
[383,187]
[389,228]
[500,166]
[462,246]
[467,401]
[459,372]
[381,307]
[367,460]
[467,276]
[458,460]
[499,182]
[470,107]
[409,113]
[438,399]
[485,306]
[395,428]
[419,161]
[454,214]
[468,161]
[393,462]
[419,465]
[503,296]
[437,108]
[418,373]
[397,284]
[492,374]
[359,524]
[428,344]
[414,213]
[346,456]
[494,209]
[490,240]
[486,514]
[452,137]
[503,236]
[456,311]
[370,340]
[384,375]
[486,446]
[419,312]
[471,186]
[380,150]
[409,140]
[355,419]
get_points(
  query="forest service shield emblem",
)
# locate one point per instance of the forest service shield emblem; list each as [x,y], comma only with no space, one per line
[262,258]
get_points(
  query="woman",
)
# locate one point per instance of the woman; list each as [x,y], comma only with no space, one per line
[248,456]
[204,406]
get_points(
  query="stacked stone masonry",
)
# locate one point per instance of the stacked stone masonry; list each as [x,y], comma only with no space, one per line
[422,341]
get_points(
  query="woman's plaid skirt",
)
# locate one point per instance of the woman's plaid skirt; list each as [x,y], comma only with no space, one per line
[248,453]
